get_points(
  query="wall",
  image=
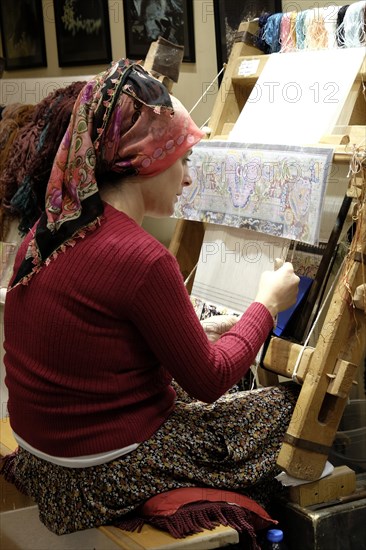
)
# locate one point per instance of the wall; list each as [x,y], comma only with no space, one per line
[301,5]
[194,77]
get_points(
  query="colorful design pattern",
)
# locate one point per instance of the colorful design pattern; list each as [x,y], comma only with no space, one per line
[266,188]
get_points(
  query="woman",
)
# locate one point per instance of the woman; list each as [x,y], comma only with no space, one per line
[98,322]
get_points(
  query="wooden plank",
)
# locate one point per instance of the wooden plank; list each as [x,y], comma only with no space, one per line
[281,356]
[341,482]
[186,246]
[153,539]
[7,441]
[11,498]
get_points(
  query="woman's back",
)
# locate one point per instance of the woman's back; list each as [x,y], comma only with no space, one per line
[73,356]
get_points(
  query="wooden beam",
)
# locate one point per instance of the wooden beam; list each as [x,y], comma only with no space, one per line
[343,336]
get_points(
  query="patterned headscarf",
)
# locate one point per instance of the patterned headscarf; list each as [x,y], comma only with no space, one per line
[124,121]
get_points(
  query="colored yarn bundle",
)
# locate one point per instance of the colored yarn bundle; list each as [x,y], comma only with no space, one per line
[330,17]
[26,169]
[271,32]
[316,35]
[353,26]
[315,29]
[259,42]
[13,118]
[300,29]
[340,29]
[288,32]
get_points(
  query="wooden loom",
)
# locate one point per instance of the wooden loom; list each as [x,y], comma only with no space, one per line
[328,370]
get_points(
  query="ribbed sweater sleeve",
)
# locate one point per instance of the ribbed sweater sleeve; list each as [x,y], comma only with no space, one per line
[163,312]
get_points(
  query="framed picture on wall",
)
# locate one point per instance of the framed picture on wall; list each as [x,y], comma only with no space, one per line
[82,32]
[228,16]
[22,34]
[146,20]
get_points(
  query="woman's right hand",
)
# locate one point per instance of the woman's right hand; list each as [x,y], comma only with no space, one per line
[278,289]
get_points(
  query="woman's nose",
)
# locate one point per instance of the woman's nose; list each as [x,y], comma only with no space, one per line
[187,180]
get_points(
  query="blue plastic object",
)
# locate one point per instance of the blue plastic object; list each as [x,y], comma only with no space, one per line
[275,535]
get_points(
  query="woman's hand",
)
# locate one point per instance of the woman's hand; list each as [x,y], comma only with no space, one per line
[216,325]
[278,289]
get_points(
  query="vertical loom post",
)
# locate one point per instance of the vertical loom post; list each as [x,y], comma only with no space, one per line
[343,337]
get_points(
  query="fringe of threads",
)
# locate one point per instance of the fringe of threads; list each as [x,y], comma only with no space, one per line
[194,518]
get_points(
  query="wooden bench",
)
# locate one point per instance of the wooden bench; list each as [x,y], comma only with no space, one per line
[148,539]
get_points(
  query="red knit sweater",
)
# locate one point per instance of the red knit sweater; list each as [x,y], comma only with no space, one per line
[94,338]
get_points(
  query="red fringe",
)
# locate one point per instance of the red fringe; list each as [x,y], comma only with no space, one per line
[194,518]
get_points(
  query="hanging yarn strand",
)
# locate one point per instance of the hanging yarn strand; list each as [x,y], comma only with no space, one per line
[287,32]
[357,168]
[300,29]
[207,90]
[340,27]
[271,32]
[316,34]
[315,28]
[351,32]
[330,16]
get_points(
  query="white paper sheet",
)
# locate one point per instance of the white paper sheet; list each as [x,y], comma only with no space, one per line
[289,481]
[230,264]
[298,97]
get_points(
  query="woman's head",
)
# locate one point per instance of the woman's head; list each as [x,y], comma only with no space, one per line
[143,138]
[125,122]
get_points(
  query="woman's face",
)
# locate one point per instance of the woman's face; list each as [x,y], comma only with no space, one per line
[163,191]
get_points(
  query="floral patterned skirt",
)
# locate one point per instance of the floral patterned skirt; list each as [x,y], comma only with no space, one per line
[230,444]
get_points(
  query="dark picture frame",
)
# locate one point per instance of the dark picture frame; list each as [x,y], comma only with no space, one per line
[22,34]
[82,32]
[228,16]
[145,21]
